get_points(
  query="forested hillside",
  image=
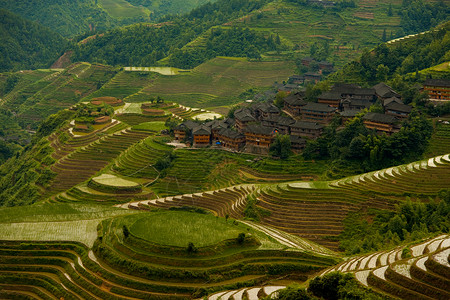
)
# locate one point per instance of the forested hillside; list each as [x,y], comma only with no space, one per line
[73,17]
[27,45]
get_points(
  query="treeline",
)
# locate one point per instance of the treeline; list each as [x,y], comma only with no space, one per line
[144,44]
[357,148]
[67,17]
[27,45]
[237,42]
[419,15]
[409,222]
[388,61]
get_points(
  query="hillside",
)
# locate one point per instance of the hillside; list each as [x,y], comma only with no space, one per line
[27,45]
[74,17]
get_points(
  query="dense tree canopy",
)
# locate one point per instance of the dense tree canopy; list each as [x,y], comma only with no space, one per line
[27,45]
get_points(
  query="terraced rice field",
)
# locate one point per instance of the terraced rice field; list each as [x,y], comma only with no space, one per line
[52,270]
[425,275]
[82,157]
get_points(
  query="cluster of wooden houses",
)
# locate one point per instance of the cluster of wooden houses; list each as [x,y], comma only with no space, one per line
[254,128]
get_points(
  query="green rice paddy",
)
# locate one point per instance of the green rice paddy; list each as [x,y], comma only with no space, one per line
[179,228]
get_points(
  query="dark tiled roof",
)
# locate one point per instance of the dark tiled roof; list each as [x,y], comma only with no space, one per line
[390,100]
[201,130]
[306,125]
[232,134]
[187,124]
[259,129]
[438,82]
[359,102]
[380,118]
[307,58]
[399,107]
[321,107]
[384,91]
[285,121]
[330,96]
[244,114]
[295,99]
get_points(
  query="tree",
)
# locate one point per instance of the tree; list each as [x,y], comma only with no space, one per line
[279,99]
[389,13]
[241,238]
[125,231]
[384,36]
[281,147]
[191,248]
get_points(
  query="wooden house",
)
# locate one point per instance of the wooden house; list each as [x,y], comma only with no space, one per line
[265,110]
[317,112]
[330,98]
[297,143]
[293,103]
[438,89]
[380,122]
[202,136]
[383,91]
[243,117]
[231,139]
[258,138]
[398,110]
[348,114]
[306,129]
[355,104]
[184,130]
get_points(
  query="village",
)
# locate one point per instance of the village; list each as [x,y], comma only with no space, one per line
[254,128]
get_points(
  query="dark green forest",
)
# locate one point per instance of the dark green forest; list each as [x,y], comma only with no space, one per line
[27,45]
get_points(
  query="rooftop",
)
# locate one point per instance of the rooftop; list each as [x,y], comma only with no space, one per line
[399,107]
[307,125]
[380,118]
[437,82]
[321,107]
[259,129]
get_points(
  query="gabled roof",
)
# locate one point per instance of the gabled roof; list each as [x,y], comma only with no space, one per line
[307,58]
[321,107]
[340,86]
[295,99]
[331,95]
[380,118]
[306,125]
[244,115]
[232,134]
[201,130]
[384,91]
[438,82]
[285,121]
[399,107]
[357,102]
[189,124]
[259,129]
[392,99]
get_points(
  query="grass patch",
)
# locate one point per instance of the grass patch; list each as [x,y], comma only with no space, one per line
[152,126]
[114,181]
[122,9]
[180,228]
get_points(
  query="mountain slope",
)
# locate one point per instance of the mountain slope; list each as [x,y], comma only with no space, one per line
[25,44]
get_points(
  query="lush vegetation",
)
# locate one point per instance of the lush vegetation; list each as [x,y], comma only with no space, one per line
[145,44]
[409,222]
[27,45]
[67,17]
[235,42]
[357,148]
[392,61]
[419,15]
[332,286]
